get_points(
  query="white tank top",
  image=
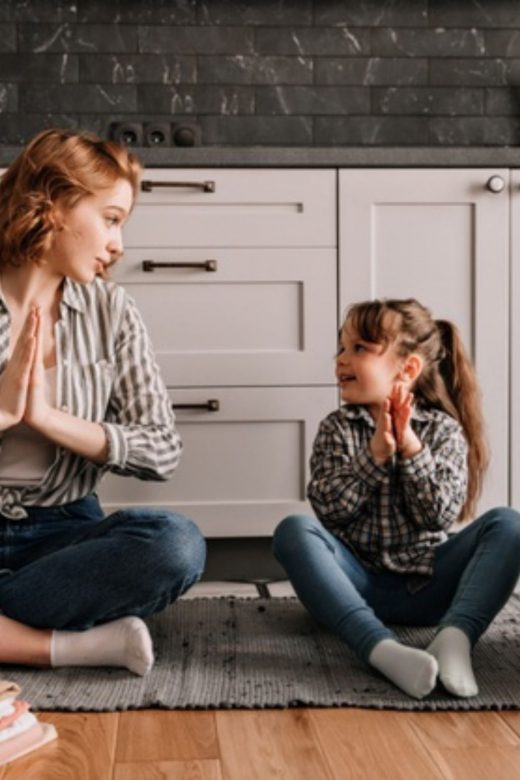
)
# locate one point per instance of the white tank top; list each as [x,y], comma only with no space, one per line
[26,455]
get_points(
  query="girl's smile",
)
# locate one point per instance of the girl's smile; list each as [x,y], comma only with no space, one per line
[366,371]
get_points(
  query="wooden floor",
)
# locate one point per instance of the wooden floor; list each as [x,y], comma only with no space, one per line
[299,744]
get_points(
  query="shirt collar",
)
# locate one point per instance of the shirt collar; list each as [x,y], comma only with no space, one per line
[71,295]
[359,412]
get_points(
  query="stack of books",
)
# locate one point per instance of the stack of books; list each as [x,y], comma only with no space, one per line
[20,730]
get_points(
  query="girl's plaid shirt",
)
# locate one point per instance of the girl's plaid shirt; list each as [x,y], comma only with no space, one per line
[391,516]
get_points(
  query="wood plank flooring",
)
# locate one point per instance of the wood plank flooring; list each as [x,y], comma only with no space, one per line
[297,744]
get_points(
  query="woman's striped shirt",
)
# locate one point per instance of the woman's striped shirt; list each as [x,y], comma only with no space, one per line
[106,373]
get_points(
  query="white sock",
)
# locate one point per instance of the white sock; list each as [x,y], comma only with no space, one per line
[452,649]
[410,669]
[124,642]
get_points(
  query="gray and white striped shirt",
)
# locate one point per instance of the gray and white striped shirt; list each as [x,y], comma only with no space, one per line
[106,373]
[391,516]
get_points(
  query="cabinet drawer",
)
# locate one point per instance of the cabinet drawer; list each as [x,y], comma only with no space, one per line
[246,208]
[263,317]
[244,467]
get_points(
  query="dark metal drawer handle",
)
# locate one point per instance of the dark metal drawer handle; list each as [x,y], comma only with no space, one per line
[147,185]
[212,405]
[206,265]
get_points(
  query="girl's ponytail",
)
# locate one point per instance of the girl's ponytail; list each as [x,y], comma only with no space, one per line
[461,385]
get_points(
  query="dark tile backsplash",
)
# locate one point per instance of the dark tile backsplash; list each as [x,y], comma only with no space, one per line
[266,72]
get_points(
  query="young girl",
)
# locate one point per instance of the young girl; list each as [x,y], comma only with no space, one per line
[80,395]
[391,471]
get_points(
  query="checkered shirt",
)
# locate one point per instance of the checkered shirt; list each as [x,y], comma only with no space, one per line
[393,516]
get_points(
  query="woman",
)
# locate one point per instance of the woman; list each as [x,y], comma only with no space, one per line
[80,395]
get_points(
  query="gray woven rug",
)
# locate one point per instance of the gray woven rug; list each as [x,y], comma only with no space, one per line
[255,653]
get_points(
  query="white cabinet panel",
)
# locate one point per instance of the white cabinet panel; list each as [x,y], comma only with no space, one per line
[263,317]
[440,236]
[244,467]
[245,208]
[515,343]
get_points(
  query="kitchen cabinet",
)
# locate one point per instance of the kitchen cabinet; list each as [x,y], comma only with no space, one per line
[514,426]
[235,273]
[442,236]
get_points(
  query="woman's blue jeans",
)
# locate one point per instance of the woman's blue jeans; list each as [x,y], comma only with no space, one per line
[475,572]
[70,567]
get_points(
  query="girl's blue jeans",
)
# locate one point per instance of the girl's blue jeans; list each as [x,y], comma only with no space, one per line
[475,572]
[70,567]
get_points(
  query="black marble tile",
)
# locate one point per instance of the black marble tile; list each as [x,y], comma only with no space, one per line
[249,131]
[137,69]
[373,13]
[78,97]
[371,131]
[7,37]
[312,100]
[371,70]
[8,98]
[391,42]
[174,100]
[138,11]
[39,68]
[503,101]
[249,69]
[307,41]
[469,72]
[474,13]
[440,101]
[473,131]
[20,128]
[77,38]
[502,43]
[42,10]
[195,40]
[266,12]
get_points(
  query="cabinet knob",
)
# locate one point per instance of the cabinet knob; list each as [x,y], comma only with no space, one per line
[495,184]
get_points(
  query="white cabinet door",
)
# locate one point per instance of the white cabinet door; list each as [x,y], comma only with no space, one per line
[244,467]
[443,237]
[262,317]
[240,208]
[515,336]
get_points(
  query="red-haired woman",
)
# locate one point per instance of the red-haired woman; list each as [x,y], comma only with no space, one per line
[80,395]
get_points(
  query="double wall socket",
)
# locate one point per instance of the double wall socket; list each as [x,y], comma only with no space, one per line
[155,133]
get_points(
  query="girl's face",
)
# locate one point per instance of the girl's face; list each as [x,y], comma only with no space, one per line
[90,236]
[366,371]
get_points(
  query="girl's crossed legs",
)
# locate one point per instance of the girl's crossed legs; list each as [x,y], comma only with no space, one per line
[475,572]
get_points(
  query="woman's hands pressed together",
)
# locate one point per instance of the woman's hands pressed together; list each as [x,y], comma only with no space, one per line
[14,383]
[394,432]
[22,385]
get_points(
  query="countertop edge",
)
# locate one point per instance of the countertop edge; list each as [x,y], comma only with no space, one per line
[316,157]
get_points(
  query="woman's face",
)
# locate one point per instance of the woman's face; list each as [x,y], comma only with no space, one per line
[90,237]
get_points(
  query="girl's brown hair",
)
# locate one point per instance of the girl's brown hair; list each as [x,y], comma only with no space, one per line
[447,380]
[56,169]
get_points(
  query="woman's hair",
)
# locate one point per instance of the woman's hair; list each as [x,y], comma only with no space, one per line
[56,169]
[447,380]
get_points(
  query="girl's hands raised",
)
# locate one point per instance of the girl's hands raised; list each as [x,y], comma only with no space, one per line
[401,401]
[394,432]
[15,379]
[383,444]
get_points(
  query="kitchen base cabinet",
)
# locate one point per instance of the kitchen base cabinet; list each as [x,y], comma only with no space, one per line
[441,236]
[235,274]
[245,464]
[514,425]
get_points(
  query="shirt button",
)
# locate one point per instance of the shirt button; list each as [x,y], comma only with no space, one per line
[65,362]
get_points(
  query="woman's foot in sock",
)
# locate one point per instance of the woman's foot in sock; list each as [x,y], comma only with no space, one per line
[452,649]
[124,642]
[412,670]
